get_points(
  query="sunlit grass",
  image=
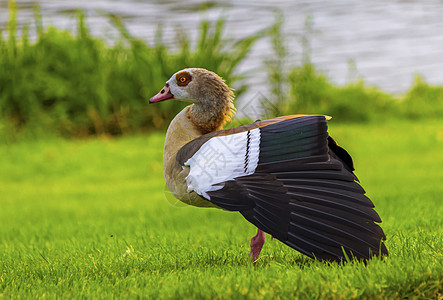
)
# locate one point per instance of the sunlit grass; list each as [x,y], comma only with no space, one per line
[89,218]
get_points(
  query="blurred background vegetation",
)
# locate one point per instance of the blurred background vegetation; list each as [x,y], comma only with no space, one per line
[75,84]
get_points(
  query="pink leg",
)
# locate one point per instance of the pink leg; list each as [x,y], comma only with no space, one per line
[256,244]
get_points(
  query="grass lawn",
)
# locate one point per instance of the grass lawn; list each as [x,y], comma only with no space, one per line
[90,218]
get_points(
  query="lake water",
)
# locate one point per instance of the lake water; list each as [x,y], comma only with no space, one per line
[386,41]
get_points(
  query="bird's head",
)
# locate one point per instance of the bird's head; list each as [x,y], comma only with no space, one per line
[210,95]
[195,85]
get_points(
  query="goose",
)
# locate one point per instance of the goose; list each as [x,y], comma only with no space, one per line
[285,175]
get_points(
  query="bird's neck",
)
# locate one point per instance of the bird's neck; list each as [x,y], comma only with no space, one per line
[180,132]
[211,117]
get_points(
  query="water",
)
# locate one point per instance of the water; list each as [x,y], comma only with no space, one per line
[387,42]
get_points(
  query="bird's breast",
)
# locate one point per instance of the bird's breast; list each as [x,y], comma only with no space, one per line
[179,133]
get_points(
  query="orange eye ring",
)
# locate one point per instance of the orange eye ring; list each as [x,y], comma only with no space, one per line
[183,78]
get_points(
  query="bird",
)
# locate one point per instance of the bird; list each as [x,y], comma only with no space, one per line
[285,175]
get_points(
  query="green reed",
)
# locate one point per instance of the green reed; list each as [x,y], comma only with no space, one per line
[75,84]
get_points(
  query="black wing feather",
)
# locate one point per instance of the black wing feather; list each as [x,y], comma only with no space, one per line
[304,193]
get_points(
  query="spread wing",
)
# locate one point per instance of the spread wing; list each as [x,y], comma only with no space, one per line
[290,179]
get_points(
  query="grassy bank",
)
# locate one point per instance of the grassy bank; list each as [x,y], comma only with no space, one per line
[90,219]
[74,84]
[312,92]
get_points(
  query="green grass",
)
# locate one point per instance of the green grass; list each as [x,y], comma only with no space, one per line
[311,92]
[71,209]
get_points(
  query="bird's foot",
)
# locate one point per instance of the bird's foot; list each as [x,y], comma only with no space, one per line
[256,245]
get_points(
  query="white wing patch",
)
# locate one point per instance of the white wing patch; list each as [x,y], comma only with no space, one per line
[223,158]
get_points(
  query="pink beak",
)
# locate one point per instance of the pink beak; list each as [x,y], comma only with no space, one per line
[163,95]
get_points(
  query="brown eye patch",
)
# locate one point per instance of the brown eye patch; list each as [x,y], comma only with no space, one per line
[183,78]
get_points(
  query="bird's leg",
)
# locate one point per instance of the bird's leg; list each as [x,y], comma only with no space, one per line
[256,244]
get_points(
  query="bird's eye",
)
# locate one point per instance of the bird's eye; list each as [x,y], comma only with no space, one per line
[183,78]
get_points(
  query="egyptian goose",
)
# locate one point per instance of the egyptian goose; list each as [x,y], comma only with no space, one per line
[284,175]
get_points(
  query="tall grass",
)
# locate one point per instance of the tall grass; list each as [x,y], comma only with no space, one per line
[76,84]
[312,92]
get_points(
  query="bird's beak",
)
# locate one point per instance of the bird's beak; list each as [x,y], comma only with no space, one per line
[163,95]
